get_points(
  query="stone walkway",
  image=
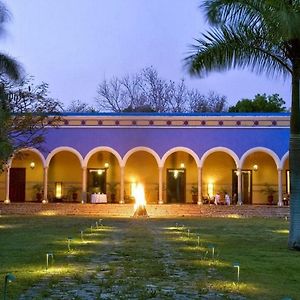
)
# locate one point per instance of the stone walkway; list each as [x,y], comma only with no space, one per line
[118,270]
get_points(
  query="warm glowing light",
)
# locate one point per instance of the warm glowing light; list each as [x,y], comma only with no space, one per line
[6,201]
[99,172]
[176,173]
[182,165]
[139,195]
[210,189]
[58,190]
[32,165]
[282,231]
[106,165]
[255,167]
[132,188]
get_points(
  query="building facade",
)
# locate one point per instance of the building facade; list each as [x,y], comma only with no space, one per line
[180,158]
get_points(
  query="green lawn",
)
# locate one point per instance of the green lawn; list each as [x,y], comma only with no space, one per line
[143,259]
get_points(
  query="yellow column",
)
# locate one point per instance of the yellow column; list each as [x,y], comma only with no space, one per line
[7,200]
[280,203]
[199,186]
[122,186]
[45,183]
[239,174]
[84,180]
[160,185]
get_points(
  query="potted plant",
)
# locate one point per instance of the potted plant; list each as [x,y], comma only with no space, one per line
[38,189]
[194,192]
[112,186]
[73,192]
[269,191]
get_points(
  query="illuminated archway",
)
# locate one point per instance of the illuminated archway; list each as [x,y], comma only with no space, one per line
[26,175]
[141,148]
[261,166]
[103,173]
[218,173]
[180,175]
[141,165]
[64,174]
[64,148]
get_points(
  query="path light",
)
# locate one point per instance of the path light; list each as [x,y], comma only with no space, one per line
[212,247]
[188,233]
[96,224]
[8,278]
[48,255]
[237,265]
[81,235]
[69,243]
[198,240]
[91,228]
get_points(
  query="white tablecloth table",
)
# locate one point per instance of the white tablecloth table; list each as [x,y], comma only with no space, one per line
[98,198]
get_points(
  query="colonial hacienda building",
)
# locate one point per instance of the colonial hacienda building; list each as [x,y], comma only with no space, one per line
[176,156]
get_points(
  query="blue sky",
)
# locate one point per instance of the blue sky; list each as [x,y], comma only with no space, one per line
[73,45]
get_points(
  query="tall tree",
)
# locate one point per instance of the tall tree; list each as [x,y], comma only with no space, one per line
[8,65]
[146,91]
[24,116]
[265,37]
[77,106]
[260,103]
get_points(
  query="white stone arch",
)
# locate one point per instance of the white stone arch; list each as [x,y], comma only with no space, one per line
[141,148]
[261,149]
[183,149]
[283,159]
[231,153]
[34,150]
[61,149]
[99,149]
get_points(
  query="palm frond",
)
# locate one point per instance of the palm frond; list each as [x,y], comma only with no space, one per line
[224,48]
[10,67]
[275,16]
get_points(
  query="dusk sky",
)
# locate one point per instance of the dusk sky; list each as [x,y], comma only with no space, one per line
[73,45]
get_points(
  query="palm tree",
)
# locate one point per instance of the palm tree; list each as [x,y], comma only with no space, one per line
[9,69]
[265,37]
[8,66]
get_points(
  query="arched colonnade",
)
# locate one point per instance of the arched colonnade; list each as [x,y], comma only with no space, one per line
[167,178]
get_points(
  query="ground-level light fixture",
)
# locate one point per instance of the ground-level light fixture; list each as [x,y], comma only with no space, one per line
[212,247]
[69,239]
[8,278]
[48,256]
[237,266]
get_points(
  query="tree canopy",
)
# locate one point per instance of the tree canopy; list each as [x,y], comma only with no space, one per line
[24,116]
[260,103]
[146,91]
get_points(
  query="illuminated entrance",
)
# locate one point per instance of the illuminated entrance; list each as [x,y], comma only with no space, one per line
[176,185]
[97,181]
[246,185]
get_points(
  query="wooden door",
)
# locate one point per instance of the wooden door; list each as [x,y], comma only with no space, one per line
[17,183]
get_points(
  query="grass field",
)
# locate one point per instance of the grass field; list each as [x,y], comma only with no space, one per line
[144,259]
